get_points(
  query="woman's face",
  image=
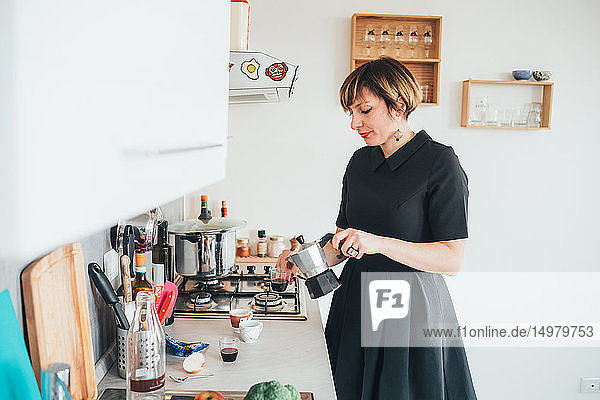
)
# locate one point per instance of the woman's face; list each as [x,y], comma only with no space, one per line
[371,119]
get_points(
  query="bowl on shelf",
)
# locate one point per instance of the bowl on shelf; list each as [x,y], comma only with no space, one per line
[521,74]
[542,75]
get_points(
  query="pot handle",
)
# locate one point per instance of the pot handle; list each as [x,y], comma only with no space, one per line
[190,238]
[326,239]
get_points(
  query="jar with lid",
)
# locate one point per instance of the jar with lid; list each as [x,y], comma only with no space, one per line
[243,247]
[276,245]
[261,244]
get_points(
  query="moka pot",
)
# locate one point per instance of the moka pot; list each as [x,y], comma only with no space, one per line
[311,260]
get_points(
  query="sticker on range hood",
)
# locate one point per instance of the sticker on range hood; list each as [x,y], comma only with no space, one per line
[276,71]
[250,68]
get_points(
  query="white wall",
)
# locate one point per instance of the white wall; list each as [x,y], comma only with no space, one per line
[532,192]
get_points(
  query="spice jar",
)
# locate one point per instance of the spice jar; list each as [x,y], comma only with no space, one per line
[243,247]
[276,245]
[261,244]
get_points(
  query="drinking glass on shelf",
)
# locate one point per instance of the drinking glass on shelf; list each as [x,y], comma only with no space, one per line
[427,40]
[520,117]
[534,118]
[369,38]
[385,38]
[479,112]
[425,93]
[505,116]
[413,39]
[491,115]
[399,39]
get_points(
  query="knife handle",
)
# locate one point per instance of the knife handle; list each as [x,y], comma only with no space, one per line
[126,278]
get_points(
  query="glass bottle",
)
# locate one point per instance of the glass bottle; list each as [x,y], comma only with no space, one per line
[223,209]
[161,262]
[205,213]
[146,358]
[261,244]
[140,283]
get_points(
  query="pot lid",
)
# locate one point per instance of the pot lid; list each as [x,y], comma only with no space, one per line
[212,225]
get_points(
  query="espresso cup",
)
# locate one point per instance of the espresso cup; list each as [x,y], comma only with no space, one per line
[237,315]
[250,330]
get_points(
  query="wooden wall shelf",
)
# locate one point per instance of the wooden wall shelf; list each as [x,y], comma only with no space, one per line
[425,70]
[547,95]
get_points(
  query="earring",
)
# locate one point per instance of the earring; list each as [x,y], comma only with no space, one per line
[398,135]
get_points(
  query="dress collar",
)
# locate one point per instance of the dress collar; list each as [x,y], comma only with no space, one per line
[401,155]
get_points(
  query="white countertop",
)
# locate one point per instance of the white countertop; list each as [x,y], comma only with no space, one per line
[288,351]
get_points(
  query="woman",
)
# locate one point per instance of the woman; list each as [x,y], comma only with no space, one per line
[403,209]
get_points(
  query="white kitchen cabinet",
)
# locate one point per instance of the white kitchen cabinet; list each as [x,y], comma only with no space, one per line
[106,109]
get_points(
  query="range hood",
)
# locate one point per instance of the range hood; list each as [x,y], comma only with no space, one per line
[256,77]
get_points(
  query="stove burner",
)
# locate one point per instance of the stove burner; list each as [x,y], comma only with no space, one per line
[268,299]
[201,301]
[209,285]
[201,298]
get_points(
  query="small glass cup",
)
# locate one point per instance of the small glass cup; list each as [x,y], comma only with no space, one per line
[229,348]
[520,117]
[280,280]
[491,115]
[506,117]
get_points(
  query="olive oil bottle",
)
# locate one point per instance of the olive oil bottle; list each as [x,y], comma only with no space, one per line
[140,283]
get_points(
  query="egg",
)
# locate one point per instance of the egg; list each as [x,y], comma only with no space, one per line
[250,69]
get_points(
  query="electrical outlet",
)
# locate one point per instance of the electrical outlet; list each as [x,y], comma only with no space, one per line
[590,385]
[111,268]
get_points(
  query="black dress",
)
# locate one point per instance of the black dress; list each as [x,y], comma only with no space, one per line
[418,194]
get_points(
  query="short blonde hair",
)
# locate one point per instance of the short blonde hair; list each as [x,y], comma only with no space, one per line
[386,78]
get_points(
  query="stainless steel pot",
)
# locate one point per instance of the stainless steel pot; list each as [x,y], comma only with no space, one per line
[205,248]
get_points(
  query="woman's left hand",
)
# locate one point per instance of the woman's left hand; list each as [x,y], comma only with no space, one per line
[362,242]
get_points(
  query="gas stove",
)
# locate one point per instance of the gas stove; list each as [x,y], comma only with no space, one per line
[245,289]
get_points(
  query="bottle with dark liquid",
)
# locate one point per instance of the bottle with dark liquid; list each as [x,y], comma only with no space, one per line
[140,282]
[146,357]
[161,259]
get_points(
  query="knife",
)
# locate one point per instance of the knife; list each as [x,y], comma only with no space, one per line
[108,294]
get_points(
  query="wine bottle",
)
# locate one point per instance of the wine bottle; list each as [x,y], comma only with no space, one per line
[140,283]
[161,259]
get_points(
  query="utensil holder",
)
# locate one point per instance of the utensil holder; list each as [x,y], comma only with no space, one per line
[122,352]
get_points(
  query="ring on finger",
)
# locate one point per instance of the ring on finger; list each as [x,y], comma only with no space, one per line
[352,252]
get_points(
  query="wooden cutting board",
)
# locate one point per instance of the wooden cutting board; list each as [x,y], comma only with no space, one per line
[57,317]
[229,395]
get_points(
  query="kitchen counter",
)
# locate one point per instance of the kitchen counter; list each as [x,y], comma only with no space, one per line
[288,351]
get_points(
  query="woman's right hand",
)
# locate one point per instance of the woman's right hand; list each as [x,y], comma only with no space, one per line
[284,265]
